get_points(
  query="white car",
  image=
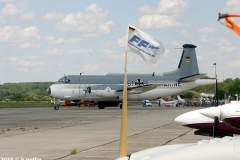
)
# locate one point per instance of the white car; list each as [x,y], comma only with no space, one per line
[146,103]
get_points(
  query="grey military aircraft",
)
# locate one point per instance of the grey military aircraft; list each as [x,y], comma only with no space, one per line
[107,90]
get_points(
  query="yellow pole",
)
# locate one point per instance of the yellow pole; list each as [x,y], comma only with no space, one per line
[123,132]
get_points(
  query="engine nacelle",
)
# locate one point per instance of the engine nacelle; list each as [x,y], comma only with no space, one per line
[107,92]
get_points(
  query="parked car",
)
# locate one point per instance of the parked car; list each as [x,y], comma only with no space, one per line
[146,103]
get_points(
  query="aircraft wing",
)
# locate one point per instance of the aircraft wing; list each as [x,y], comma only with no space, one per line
[140,88]
[146,87]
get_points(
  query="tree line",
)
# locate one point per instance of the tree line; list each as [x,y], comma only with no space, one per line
[25,91]
[229,87]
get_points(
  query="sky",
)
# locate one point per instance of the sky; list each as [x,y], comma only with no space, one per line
[41,41]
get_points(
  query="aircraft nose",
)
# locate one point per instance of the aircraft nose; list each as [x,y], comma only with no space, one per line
[49,91]
[211,112]
[188,118]
[182,119]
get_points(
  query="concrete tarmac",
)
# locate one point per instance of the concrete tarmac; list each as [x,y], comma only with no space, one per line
[46,134]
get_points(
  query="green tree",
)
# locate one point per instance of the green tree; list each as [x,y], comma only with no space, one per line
[234,87]
[221,94]
[188,95]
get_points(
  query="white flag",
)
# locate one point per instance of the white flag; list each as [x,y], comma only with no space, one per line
[148,47]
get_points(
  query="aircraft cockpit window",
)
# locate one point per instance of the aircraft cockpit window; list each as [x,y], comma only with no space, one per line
[64,80]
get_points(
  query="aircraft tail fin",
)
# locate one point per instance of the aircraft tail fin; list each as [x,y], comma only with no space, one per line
[188,65]
[178,97]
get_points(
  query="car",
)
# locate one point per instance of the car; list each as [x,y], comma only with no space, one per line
[146,103]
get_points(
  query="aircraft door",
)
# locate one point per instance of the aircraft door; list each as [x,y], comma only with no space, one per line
[76,91]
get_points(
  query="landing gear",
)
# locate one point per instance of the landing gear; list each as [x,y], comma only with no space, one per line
[56,107]
[56,103]
[215,126]
[120,105]
[91,104]
[100,106]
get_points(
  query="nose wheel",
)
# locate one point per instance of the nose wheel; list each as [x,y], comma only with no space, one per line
[56,107]
[56,103]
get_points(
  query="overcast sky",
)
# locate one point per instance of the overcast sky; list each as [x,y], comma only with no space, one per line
[45,39]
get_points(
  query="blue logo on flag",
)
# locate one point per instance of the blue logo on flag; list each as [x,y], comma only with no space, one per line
[142,43]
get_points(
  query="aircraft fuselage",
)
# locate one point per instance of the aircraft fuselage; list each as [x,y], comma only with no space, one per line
[109,87]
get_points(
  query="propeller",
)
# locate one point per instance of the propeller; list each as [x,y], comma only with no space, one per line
[49,91]
[215,126]
[87,90]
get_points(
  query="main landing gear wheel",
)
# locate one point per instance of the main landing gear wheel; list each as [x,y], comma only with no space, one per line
[56,107]
[100,106]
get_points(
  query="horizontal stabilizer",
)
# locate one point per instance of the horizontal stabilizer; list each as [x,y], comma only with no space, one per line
[192,78]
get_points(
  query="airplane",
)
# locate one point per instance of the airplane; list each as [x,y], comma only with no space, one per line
[107,90]
[226,148]
[228,113]
[214,121]
[172,103]
[180,100]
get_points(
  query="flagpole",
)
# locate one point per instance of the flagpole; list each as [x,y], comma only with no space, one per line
[136,42]
[123,132]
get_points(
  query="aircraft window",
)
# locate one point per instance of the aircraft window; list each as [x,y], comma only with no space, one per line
[64,80]
[60,80]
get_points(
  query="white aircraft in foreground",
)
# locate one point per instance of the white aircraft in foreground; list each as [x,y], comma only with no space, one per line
[107,90]
[214,121]
[226,148]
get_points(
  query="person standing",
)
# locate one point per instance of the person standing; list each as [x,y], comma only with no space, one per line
[159,102]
